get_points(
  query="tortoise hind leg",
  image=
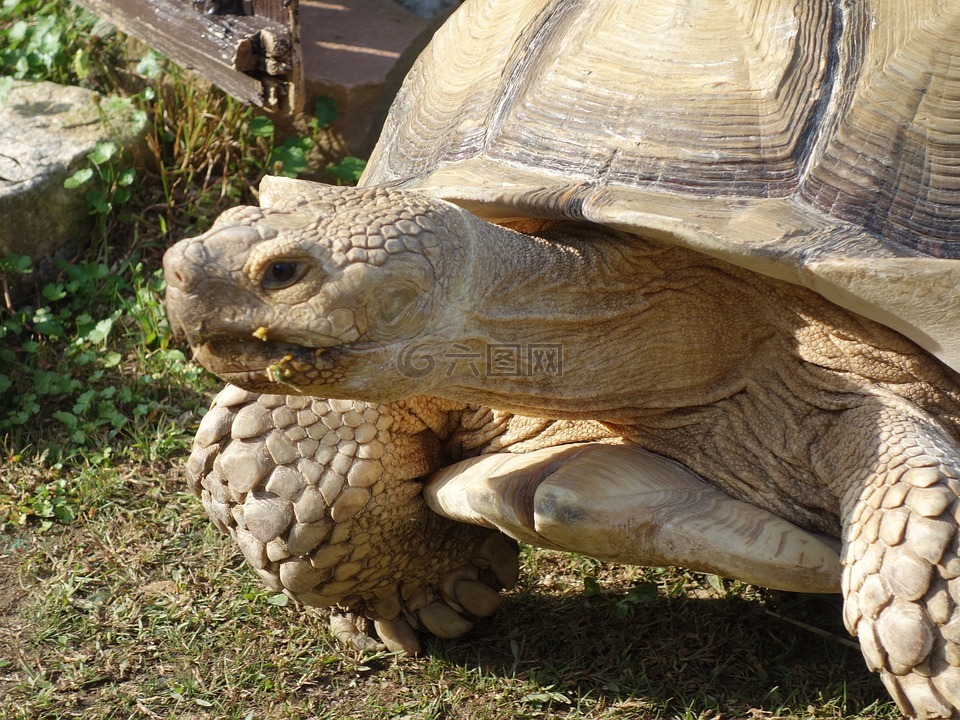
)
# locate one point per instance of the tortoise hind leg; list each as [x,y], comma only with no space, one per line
[901,557]
[623,504]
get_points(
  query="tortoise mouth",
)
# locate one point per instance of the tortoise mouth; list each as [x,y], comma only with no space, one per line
[264,366]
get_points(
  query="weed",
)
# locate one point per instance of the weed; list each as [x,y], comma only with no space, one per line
[48,502]
[111,185]
[209,152]
[622,605]
[52,40]
[348,170]
[291,157]
[12,265]
[72,387]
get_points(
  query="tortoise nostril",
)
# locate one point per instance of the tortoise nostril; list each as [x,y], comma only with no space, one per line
[175,278]
[173,267]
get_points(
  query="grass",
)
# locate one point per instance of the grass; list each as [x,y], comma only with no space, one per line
[118,599]
[139,609]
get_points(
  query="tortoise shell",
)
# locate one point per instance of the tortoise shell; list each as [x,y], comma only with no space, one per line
[815,141]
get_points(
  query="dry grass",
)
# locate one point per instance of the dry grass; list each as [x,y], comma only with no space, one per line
[140,610]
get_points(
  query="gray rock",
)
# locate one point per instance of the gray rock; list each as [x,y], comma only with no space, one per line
[46,132]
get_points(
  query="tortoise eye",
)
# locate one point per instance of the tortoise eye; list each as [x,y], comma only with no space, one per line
[282,273]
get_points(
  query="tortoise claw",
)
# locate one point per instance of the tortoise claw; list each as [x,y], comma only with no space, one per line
[353,630]
[478,598]
[502,556]
[398,636]
[439,619]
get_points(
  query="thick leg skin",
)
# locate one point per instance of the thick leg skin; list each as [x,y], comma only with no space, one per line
[901,578]
[324,500]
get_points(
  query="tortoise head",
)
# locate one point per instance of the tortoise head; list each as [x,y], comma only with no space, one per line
[315,294]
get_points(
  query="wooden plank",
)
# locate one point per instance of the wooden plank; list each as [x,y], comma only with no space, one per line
[220,7]
[253,58]
[276,10]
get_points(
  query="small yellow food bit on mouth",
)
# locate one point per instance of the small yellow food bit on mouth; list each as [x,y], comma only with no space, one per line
[260,333]
[278,370]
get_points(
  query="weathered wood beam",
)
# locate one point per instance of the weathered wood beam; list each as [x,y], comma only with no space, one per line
[276,10]
[252,57]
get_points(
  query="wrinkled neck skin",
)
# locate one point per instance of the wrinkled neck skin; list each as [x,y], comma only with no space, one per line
[740,377]
[559,326]
[588,323]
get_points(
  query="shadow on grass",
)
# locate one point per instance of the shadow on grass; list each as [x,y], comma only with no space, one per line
[143,611]
[680,656]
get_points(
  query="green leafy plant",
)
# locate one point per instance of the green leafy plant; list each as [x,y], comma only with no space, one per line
[46,503]
[107,181]
[291,157]
[32,49]
[622,605]
[348,170]
[69,359]
[52,40]
[12,265]
[112,186]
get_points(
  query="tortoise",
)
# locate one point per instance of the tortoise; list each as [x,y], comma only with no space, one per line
[661,283]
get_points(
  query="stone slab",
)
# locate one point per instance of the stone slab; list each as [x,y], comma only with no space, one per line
[358,52]
[46,132]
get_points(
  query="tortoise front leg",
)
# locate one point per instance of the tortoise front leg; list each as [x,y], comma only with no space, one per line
[901,578]
[324,500]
